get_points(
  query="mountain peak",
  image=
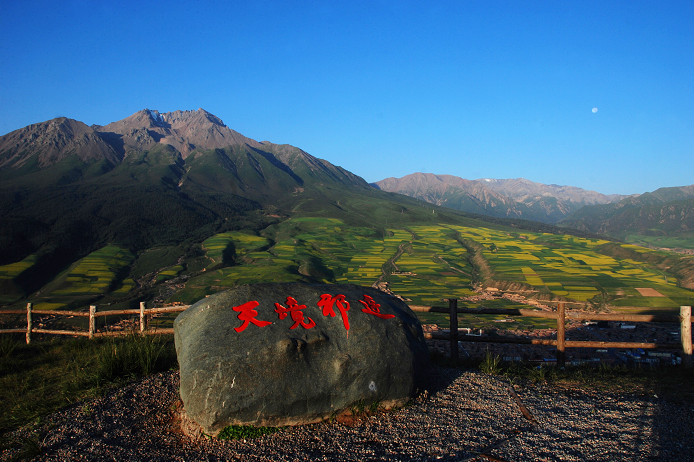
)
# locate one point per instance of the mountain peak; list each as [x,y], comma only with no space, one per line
[184,130]
[52,141]
[178,119]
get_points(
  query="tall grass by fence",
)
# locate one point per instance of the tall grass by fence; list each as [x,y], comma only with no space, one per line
[561,343]
[92,315]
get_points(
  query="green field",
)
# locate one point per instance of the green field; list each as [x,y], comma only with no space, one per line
[424,264]
[433,267]
[428,264]
[103,271]
[573,268]
[9,291]
[13,270]
[170,272]
[326,250]
[684,241]
[221,248]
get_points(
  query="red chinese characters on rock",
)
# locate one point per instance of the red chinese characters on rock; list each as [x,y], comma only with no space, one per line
[247,314]
[327,302]
[296,312]
[373,308]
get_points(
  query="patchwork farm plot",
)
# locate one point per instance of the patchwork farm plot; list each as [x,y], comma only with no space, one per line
[573,268]
[426,264]
[433,267]
[328,251]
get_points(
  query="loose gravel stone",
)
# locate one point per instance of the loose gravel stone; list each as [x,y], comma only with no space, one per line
[463,416]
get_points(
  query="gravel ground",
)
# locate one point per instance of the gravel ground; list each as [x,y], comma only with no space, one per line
[464,415]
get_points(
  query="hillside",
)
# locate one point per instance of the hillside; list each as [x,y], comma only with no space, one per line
[513,198]
[152,180]
[662,218]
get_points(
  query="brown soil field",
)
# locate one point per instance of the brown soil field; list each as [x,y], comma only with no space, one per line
[648,292]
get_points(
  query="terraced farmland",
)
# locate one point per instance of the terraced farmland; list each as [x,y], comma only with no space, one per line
[422,264]
[433,267]
[573,268]
[98,273]
[426,264]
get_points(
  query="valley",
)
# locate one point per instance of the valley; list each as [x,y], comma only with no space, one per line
[424,264]
[172,207]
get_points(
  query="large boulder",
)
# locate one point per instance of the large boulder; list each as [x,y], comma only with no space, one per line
[287,354]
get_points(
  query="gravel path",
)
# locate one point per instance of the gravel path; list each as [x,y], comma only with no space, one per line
[465,415]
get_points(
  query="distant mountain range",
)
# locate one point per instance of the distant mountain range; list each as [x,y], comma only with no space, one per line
[664,212]
[513,198]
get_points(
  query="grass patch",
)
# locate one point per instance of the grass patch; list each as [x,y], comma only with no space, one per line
[40,378]
[13,270]
[244,432]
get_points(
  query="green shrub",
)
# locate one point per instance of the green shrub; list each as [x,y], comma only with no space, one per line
[491,364]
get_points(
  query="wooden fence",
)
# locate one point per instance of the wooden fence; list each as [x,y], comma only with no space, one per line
[561,343]
[92,315]
[685,320]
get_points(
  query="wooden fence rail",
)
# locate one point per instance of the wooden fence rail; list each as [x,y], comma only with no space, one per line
[684,318]
[92,314]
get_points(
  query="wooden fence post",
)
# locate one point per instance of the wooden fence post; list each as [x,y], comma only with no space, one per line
[142,317]
[92,321]
[453,310]
[561,334]
[29,323]
[686,335]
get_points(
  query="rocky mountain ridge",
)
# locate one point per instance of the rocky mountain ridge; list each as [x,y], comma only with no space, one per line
[513,198]
[54,140]
[523,190]
[49,142]
[186,131]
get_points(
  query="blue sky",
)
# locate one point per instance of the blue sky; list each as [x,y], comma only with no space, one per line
[476,89]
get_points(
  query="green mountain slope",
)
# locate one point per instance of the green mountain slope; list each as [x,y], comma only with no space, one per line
[664,213]
[59,210]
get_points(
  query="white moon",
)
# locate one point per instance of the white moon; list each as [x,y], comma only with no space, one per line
[595,110]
